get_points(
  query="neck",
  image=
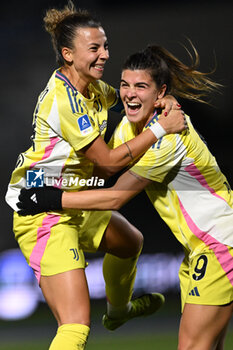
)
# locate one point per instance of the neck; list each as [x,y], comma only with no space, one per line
[140,126]
[142,123]
[80,84]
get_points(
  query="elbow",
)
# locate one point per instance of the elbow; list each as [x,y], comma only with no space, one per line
[110,171]
[117,203]
[106,172]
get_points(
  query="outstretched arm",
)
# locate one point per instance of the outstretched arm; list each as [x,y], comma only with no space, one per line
[127,186]
[49,198]
[110,161]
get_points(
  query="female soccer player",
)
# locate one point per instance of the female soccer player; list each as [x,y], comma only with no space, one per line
[186,187]
[69,123]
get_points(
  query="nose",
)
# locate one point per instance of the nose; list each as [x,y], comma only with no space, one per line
[104,54]
[131,92]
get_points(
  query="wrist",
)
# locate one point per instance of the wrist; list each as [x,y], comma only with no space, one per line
[158,130]
[54,200]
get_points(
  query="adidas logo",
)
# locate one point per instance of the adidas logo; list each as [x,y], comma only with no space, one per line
[194,292]
[33,198]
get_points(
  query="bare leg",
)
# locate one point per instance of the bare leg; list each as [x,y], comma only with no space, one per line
[220,344]
[203,327]
[67,296]
[121,238]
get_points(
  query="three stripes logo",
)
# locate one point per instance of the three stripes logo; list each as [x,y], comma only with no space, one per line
[194,292]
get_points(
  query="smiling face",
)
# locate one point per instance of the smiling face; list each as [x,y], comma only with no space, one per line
[87,58]
[139,93]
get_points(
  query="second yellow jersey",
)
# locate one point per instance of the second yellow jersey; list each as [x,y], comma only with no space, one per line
[188,189]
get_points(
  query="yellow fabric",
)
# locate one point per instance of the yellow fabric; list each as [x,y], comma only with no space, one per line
[54,244]
[119,275]
[187,185]
[64,122]
[203,280]
[193,197]
[70,337]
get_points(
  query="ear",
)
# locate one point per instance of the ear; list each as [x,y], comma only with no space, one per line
[67,54]
[162,91]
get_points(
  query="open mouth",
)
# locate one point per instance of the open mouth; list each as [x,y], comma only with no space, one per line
[99,67]
[133,107]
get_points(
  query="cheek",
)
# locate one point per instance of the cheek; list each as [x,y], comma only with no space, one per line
[122,94]
[149,101]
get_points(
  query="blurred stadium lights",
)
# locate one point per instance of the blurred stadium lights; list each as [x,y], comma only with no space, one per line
[20,294]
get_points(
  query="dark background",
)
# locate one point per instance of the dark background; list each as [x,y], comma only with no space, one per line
[27,61]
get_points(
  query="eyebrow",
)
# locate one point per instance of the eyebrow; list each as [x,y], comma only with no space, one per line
[98,44]
[138,83]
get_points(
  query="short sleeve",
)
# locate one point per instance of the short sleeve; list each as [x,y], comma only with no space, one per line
[112,96]
[79,130]
[158,161]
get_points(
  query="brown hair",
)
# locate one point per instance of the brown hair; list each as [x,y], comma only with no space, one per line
[62,25]
[181,80]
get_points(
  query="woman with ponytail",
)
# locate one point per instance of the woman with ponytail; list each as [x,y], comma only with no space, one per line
[69,124]
[186,187]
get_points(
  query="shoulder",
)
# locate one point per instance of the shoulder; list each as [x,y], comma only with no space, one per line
[102,87]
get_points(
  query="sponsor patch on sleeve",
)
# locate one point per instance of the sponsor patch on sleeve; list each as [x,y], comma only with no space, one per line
[84,124]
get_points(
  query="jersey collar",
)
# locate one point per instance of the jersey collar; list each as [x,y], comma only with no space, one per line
[63,78]
[152,120]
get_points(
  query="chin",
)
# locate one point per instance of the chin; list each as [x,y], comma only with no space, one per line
[133,119]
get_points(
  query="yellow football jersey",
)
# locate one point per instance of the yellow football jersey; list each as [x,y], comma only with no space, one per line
[64,122]
[188,190]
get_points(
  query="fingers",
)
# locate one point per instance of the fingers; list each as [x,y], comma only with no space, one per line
[170,107]
[176,106]
[20,205]
[24,194]
[184,119]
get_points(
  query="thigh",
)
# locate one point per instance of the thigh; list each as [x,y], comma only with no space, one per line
[207,295]
[121,238]
[202,326]
[67,296]
[92,229]
[209,277]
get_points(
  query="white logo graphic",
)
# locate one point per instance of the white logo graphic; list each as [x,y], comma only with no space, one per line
[33,198]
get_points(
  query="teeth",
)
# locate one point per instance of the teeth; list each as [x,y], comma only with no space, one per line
[132,104]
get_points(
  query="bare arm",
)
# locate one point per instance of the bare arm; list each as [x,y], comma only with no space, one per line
[128,186]
[113,160]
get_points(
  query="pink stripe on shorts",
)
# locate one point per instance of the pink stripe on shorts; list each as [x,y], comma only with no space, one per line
[43,234]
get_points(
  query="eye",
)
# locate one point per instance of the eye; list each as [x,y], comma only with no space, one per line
[141,86]
[106,46]
[94,48]
[123,84]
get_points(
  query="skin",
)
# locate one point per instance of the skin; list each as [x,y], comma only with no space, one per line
[87,59]
[84,63]
[202,327]
[139,94]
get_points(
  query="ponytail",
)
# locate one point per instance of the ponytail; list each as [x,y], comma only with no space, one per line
[181,80]
[62,25]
